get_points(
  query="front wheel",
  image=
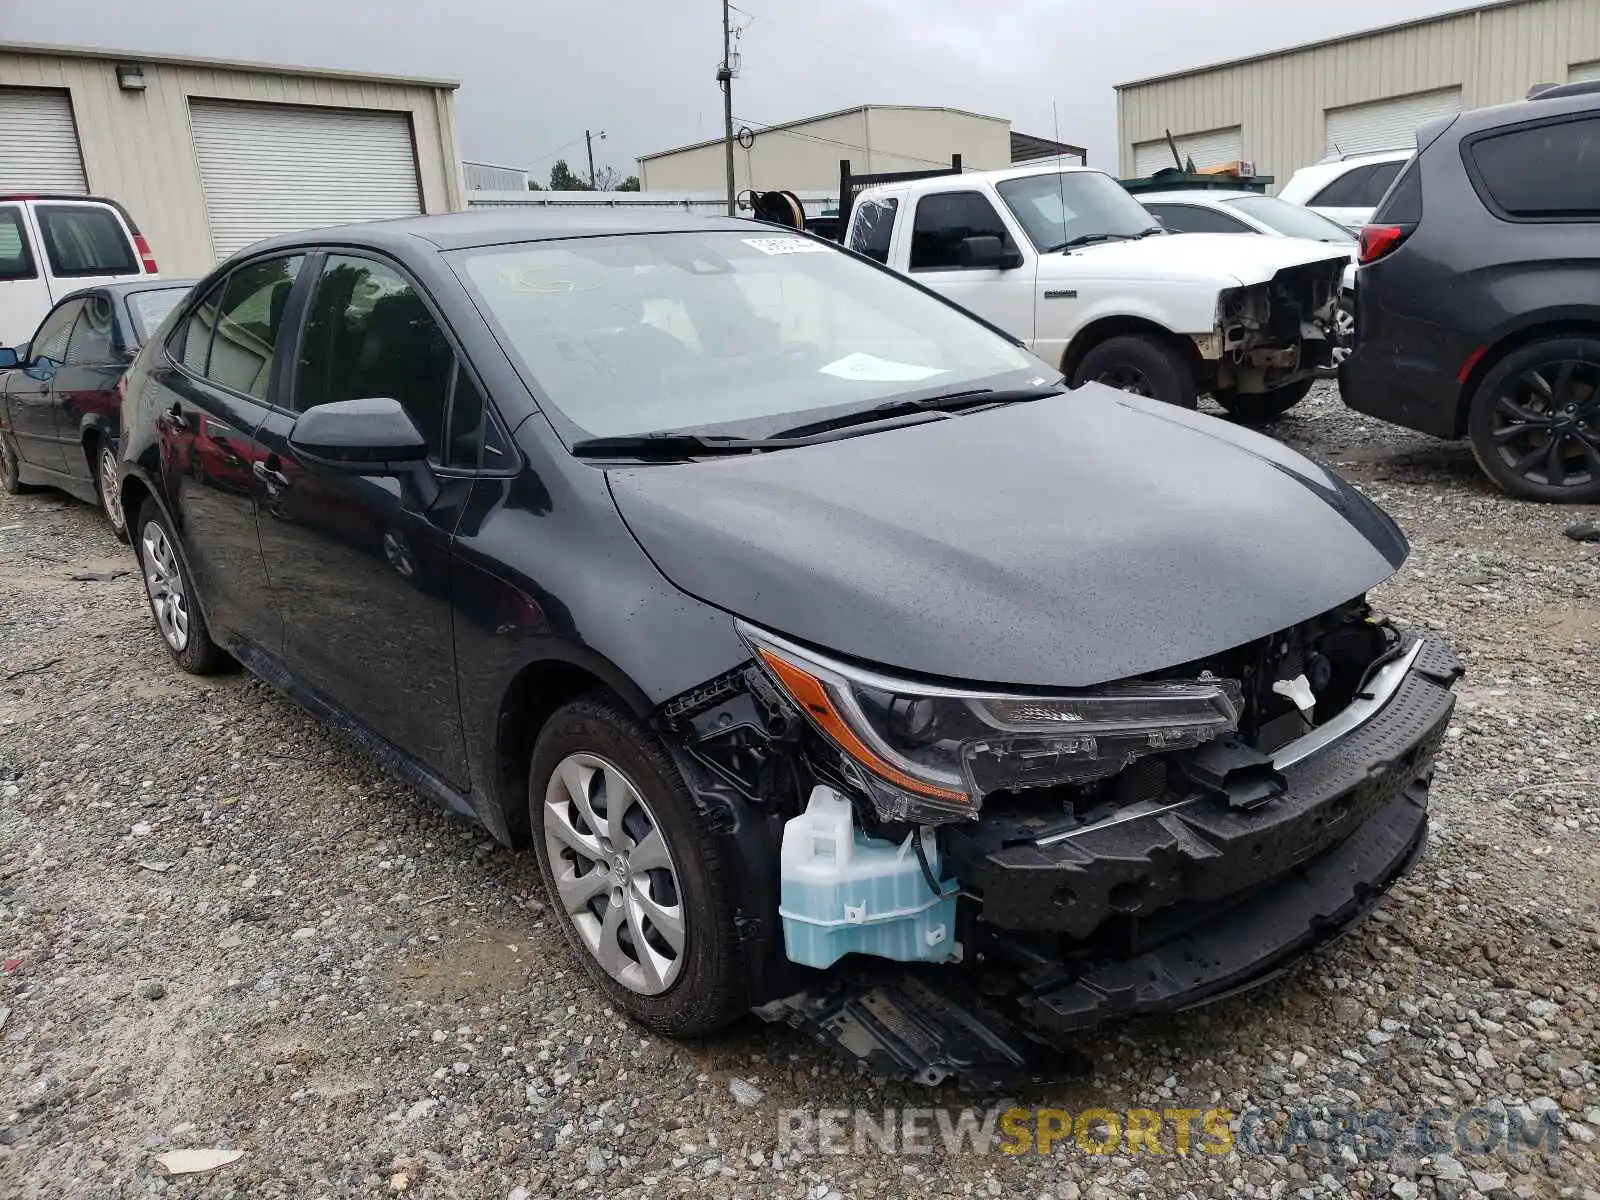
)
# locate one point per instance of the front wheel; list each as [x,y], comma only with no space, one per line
[1141,365]
[1257,408]
[638,882]
[1534,423]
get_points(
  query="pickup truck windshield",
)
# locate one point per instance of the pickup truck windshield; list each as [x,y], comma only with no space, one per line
[1059,209]
[634,334]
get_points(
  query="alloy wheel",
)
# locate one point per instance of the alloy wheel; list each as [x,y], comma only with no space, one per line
[164,582]
[8,464]
[1127,378]
[614,873]
[1547,424]
[110,500]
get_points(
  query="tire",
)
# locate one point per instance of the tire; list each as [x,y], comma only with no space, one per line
[1142,365]
[1258,408]
[103,462]
[166,579]
[1534,421]
[10,468]
[592,748]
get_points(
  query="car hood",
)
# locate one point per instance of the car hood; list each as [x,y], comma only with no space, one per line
[1228,258]
[1058,543]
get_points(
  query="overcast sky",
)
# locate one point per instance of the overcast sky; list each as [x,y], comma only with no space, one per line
[535,74]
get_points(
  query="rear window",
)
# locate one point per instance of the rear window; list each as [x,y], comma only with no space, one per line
[872,227]
[1360,187]
[149,309]
[84,240]
[1402,205]
[16,262]
[1541,172]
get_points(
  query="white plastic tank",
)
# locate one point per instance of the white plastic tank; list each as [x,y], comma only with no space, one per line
[843,892]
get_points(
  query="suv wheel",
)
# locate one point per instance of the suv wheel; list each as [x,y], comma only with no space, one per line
[1257,408]
[1535,421]
[1140,365]
[636,878]
[172,596]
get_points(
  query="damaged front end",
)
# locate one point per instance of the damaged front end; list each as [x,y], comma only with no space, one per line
[956,883]
[1273,334]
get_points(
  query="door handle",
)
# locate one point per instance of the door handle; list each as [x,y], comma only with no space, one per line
[173,419]
[268,475]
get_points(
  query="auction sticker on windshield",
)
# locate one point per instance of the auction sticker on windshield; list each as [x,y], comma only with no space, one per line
[785,245]
[869,368]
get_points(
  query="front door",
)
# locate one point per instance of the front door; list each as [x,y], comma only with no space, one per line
[216,382]
[361,565]
[941,222]
[30,390]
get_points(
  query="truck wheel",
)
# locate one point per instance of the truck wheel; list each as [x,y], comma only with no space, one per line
[1257,408]
[1140,365]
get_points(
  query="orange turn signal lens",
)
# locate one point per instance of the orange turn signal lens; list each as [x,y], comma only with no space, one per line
[812,695]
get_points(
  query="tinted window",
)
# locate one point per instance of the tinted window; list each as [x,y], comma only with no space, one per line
[149,309]
[1190,218]
[91,344]
[1345,191]
[369,334]
[1402,203]
[1290,219]
[1545,171]
[55,332]
[871,227]
[16,260]
[467,414]
[190,343]
[1383,175]
[82,239]
[248,324]
[944,220]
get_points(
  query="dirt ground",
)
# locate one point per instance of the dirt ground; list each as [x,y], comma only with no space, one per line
[221,928]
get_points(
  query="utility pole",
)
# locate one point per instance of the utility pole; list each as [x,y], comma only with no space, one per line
[725,77]
[588,141]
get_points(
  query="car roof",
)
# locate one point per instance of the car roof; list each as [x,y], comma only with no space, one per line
[1476,120]
[508,224]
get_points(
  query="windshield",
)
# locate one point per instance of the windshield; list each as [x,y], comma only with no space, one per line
[1290,219]
[646,332]
[1058,208]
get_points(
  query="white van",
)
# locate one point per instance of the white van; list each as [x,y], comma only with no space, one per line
[52,245]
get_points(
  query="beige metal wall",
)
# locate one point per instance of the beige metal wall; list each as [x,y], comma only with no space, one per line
[137,146]
[1494,55]
[805,158]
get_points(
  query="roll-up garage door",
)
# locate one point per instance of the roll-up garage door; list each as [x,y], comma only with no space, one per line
[1207,149]
[1387,124]
[38,142]
[277,168]
[1588,72]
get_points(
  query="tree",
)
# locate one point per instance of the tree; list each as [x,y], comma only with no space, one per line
[563,180]
[630,184]
[534,186]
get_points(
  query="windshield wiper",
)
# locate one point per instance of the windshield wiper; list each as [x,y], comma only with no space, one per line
[1149,231]
[1085,239]
[668,444]
[948,402]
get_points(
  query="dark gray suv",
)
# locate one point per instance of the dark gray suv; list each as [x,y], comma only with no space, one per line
[1478,300]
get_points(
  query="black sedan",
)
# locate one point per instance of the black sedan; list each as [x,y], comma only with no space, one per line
[820,645]
[60,395]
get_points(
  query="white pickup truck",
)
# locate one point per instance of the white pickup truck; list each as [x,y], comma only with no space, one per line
[1070,263]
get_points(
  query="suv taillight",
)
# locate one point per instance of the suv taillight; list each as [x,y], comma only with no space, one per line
[1380,241]
[146,258]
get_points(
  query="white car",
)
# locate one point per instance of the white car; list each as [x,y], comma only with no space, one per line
[1226,210]
[1348,187]
[52,245]
[1069,263]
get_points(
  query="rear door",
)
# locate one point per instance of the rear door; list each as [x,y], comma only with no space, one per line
[86,401]
[30,389]
[220,369]
[84,243]
[940,221]
[24,294]
[362,564]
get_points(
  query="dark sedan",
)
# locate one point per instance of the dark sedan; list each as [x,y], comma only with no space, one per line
[825,651]
[61,397]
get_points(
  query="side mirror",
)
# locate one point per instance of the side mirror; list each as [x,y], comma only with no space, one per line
[987,251]
[8,358]
[359,437]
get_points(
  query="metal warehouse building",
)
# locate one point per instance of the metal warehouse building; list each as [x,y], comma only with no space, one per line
[210,156]
[1365,92]
[803,156]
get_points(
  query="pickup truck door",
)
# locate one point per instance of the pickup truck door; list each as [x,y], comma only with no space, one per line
[929,243]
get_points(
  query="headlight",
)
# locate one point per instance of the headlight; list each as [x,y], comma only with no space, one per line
[929,754]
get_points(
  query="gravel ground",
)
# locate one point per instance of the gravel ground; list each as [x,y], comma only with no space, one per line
[221,928]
